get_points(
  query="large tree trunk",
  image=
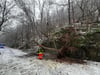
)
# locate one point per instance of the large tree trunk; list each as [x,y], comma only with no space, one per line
[47,48]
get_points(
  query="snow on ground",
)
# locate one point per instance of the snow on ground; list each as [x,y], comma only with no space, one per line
[10,64]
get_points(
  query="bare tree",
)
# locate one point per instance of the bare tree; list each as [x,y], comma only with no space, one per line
[97,4]
[82,4]
[5,12]
[69,16]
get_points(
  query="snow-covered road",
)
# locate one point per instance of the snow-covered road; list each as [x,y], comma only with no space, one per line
[12,65]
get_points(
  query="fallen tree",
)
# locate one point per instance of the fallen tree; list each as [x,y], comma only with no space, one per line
[68,41]
[71,44]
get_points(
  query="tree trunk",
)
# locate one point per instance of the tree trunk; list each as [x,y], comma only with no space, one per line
[69,18]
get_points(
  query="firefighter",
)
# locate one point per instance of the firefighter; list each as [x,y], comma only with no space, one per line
[40,52]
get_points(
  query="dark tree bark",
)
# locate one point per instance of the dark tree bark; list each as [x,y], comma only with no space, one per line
[69,15]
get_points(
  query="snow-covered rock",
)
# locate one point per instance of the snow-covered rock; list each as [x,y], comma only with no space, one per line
[32,66]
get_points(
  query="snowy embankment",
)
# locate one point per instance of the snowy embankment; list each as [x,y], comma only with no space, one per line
[10,64]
